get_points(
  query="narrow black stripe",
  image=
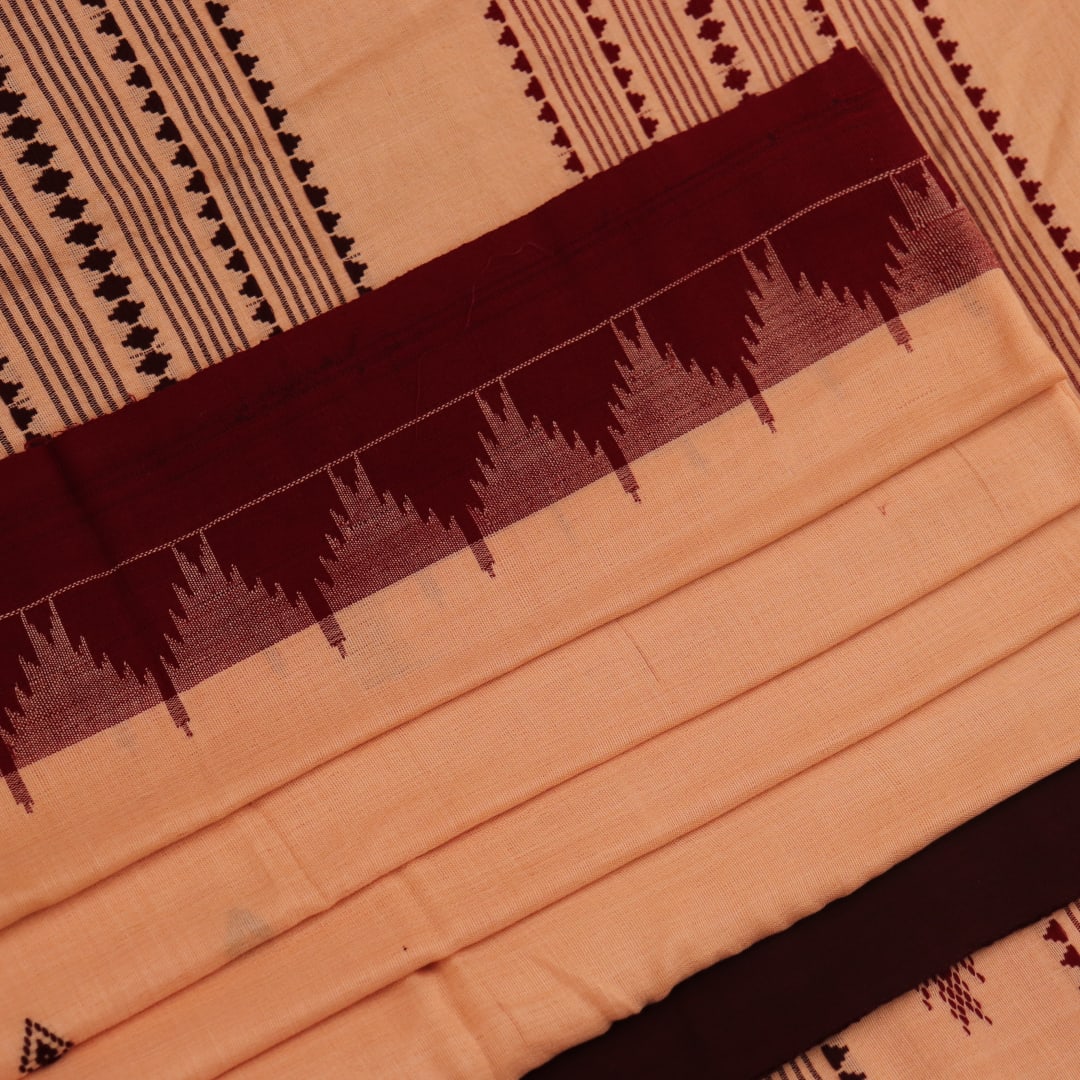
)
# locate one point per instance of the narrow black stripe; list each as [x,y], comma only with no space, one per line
[644,47]
[658,89]
[46,86]
[766,33]
[42,349]
[579,111]
[224,310]
[682,49]
[656,33]
[771,81]
[607,94]
[44,310]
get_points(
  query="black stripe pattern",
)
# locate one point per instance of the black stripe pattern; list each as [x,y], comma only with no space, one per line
[195,181]
[290,143]
[95,259]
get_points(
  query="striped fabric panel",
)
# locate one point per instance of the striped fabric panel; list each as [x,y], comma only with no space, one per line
[188,55]
[955,115]
[680,63]
[289,141]
[173,173]
[156,215]
[611,76]
[56,361]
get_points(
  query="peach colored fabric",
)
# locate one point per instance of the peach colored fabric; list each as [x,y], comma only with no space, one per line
[746,545]
[943,524]
[435,169]
[724,492]
[444,144]
[503,1005]
[986,87]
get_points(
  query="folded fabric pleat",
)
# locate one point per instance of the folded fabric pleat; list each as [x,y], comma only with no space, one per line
[195,906]
[552,847]
[345,510]
[508,1003]
[238,560]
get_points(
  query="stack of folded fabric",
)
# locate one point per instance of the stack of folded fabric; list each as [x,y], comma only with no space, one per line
[662,585]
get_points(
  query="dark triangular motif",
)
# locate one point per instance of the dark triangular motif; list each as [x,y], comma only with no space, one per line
[124,52]
[1017,164]
[1059,234]
[947,49]
[834,1055]
[22,418]
[40,1047]
[355,271]
[1054,932]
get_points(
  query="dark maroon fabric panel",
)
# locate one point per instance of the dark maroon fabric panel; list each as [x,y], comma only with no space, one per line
[163,467]
[751,1013]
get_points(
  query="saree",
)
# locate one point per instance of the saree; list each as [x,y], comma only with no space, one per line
[492,513]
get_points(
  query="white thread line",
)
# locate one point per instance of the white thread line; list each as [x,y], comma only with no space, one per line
[467,394]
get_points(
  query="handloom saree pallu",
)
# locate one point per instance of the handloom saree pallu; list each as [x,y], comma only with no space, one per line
[178,187]
[1009,1010]
[743,1016]
[933,440]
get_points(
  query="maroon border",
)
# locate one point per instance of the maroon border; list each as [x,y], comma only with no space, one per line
[744,1016]
[167,465]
